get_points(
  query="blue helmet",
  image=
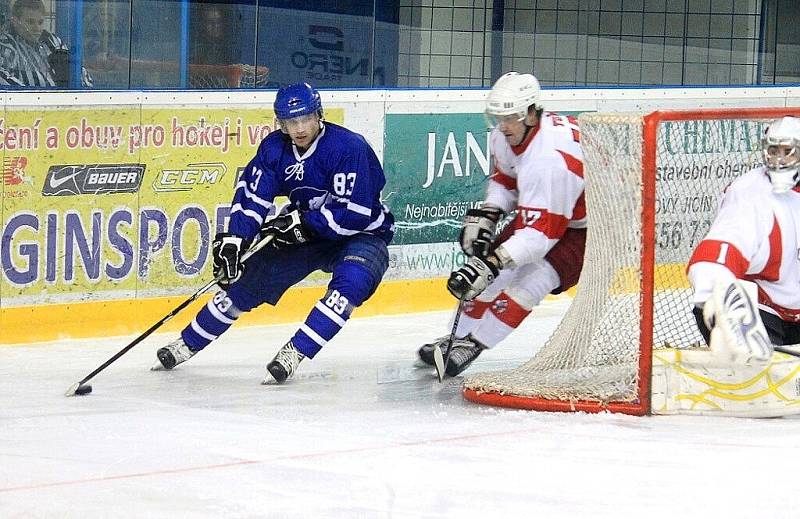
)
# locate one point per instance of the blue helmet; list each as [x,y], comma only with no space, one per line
[296,100]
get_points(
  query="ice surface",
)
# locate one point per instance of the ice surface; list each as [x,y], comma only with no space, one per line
[359,433]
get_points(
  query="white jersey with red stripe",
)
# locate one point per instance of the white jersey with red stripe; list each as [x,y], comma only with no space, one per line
[754,237]
[541,178]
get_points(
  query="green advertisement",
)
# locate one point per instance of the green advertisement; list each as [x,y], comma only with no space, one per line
[437,166]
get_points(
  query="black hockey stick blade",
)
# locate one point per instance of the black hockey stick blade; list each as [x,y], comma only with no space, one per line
[789,349]
[82,388]
[441,371]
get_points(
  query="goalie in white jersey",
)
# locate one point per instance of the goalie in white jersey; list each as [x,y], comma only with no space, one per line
[754,238]
[537,172]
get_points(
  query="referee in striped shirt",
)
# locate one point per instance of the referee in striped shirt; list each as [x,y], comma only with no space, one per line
[31,56]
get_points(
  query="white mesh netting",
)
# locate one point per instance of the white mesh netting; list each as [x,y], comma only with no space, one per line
[227,76]
[166,74]
[594,353]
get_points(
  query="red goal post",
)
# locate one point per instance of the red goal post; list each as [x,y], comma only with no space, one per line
[652,186]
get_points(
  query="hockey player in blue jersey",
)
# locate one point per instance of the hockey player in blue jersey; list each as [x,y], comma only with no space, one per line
[334,222]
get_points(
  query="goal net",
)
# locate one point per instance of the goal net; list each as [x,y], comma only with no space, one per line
[166,74]
[227,76]
[652,187]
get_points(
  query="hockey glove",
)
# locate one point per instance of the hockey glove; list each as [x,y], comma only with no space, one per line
[478,232]
[738,335]
[227,252]
[287,230]
[470,280]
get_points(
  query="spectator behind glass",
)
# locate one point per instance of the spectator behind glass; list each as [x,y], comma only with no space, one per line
[4,14]
[31,56]
[212,36]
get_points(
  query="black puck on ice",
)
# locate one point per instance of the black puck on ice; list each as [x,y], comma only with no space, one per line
[79,389]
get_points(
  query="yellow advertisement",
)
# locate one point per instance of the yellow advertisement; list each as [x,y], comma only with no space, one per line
[116,202]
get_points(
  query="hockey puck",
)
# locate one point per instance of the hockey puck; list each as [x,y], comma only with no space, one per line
[78,389]
[83,389]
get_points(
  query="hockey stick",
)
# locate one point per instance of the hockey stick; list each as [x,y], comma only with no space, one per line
[82,388]
[439,361]
[787,351]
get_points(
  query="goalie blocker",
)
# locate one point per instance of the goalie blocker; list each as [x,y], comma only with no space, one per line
[737,335]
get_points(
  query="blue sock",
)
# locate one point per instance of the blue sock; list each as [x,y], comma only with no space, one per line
[323,323]
[211,322]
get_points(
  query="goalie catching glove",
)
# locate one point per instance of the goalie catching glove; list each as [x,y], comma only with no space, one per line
[478,232]
[287,230]
[227,254]
[737,334]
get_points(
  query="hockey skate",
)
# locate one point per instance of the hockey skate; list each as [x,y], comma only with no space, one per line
[283,365]
[172,354]
[425,353]
[463,352]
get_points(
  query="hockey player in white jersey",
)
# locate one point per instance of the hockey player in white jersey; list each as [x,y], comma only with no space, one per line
[754,238]
[537,172]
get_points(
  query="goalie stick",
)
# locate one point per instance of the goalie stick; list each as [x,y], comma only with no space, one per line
[439,361]
[81,388]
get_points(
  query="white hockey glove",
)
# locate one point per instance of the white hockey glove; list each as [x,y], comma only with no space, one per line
[287,230]
[227,253]
[477,234]
[737,334]
[470,280]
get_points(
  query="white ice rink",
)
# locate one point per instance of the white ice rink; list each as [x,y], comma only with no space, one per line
[359,433]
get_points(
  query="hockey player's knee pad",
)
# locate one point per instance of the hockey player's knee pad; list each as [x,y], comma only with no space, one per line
[521,297]
[241,300]
[355,281]
[360,271]
[225,305]
[534,286]
[511,307]
[339,303]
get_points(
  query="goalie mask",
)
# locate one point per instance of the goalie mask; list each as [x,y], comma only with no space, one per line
[781,149]
[511,96]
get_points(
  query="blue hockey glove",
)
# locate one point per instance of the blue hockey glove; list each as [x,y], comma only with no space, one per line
[287,230]
[470,280]
[227,253]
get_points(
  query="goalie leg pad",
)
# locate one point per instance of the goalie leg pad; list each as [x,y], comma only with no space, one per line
[737,333]
[693,381]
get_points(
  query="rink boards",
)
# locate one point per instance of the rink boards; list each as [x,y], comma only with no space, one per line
[109,199]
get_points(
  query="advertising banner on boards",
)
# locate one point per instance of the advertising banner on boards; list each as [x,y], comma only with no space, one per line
[118,201]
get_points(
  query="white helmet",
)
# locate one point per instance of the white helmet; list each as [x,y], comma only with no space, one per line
[512,94]
[781,148]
